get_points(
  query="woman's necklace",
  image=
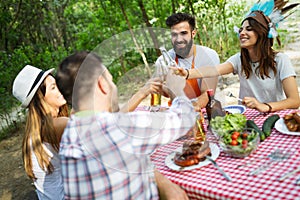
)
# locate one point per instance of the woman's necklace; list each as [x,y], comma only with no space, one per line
[254,64]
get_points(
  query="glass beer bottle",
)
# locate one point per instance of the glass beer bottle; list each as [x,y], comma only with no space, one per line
[166,62]
[155,101]
[199,131]
[213,107]
[169,61]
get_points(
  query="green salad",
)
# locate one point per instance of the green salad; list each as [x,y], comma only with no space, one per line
[230,122]
[234,138]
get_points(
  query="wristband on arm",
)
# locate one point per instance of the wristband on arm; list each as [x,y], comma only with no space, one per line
[188,74]
[270,107]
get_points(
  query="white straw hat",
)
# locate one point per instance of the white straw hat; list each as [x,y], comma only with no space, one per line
[27,82]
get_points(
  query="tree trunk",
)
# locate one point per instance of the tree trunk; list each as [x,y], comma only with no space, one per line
[194,14]
[148,24]
[134,39]
[173,6]
[7,29]
[63,24]
[191,7]
[112,32]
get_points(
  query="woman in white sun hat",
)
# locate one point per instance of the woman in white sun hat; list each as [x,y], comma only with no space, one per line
[46,119]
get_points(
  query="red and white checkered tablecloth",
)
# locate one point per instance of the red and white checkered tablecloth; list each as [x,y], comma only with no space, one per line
[207,183]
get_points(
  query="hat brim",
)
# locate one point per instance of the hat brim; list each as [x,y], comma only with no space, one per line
[33,91]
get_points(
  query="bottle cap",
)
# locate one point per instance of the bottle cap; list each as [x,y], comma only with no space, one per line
[210,92]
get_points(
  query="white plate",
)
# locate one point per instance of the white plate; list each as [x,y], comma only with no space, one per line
[235,109]
[281,127]
[215,152]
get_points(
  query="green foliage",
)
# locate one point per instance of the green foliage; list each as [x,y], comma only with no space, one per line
[10,65]
[216,20]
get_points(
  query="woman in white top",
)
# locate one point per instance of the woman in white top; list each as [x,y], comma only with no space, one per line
[46,120]
[267,78]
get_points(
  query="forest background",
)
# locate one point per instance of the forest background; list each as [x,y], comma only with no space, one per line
[41,33]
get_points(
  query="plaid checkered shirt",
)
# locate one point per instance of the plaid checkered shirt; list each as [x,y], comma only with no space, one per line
[106,155]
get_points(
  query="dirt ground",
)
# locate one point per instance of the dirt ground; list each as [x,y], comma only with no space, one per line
[14,184]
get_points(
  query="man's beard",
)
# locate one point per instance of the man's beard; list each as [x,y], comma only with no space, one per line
[183,52]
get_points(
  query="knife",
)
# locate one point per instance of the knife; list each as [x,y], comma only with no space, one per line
[218,167]
[288,174]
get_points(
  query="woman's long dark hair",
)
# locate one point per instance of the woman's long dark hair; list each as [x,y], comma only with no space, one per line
[264,51]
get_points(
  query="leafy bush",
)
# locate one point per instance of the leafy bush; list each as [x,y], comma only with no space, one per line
[10,65]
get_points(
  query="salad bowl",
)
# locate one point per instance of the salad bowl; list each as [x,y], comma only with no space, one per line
[239,144]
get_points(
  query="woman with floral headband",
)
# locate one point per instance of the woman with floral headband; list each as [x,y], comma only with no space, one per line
[46,120]
[267,78]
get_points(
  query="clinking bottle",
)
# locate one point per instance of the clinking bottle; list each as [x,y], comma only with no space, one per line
[169,61]
[155,100]
[166,62]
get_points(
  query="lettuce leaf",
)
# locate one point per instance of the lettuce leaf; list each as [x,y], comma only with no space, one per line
[230,122]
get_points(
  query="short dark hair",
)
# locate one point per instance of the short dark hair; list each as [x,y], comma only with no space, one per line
[68,76]
[67,72]
[176,18]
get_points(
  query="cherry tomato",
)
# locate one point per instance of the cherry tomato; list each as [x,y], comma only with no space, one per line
[234,142]
[234,137]
[236,133]
[244,144]
[244,135]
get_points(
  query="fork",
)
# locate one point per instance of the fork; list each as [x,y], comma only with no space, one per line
[229,94]
[288,174]
[250,162]
[276,156]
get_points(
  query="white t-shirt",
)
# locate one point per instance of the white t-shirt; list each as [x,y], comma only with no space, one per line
[204,57]
[269,89]
[49,186]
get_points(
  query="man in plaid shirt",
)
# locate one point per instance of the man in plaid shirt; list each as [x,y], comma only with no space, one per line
[105,153]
